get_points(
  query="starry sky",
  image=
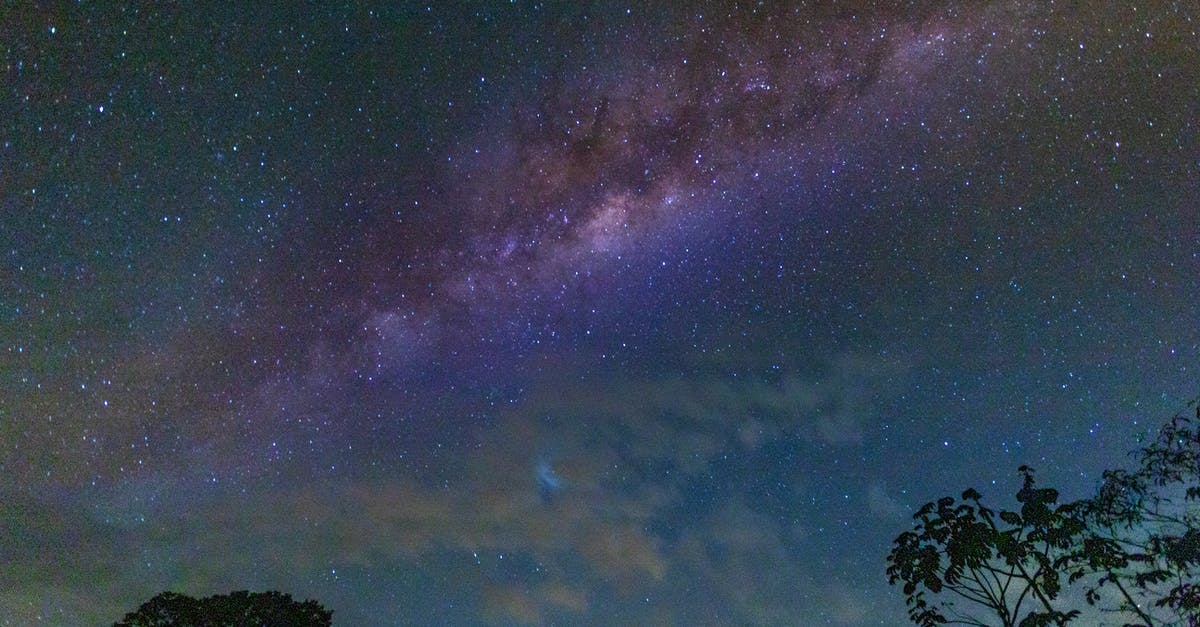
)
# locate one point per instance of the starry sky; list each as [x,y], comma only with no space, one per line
[527,313]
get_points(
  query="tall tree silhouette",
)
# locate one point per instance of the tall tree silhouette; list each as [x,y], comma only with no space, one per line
[1141,554]
[1133,548]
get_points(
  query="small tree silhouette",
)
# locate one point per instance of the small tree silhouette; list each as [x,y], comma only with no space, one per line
[994,563]
[236,609]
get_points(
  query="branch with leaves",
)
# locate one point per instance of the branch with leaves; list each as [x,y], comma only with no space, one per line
[1134,547]
[1144,531]
[997,563]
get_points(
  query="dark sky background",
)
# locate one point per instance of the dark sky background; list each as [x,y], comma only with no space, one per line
[558,313]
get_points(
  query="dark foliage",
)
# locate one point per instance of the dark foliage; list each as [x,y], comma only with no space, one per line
[236,609]
[988,565]
[1133,548]
[1143,542]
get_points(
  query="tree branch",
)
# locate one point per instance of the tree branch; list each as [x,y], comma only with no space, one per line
[1132,604]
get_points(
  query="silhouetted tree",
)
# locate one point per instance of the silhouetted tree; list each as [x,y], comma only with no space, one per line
[1143,535]
[978,562]
[1134,547]
[236,609]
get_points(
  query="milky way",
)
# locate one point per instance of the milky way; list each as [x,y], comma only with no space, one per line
[548,313]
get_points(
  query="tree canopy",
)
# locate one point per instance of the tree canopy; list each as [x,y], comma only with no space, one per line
[1131,550]
[236,609]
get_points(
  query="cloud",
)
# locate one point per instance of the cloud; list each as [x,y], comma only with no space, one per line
[632,454]
[881,503]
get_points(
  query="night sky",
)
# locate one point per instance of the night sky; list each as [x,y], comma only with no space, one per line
[555,313]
